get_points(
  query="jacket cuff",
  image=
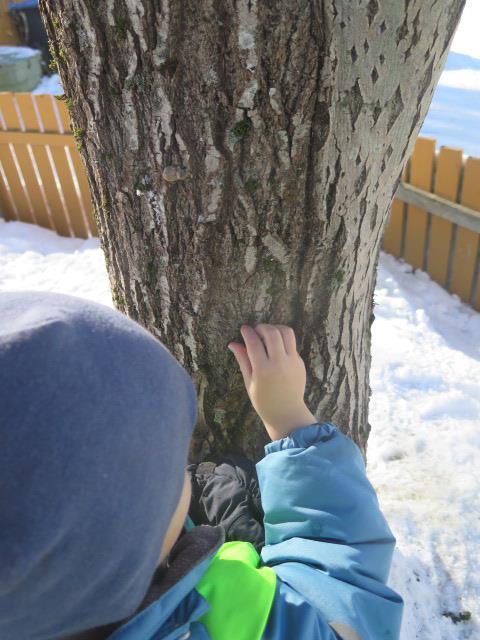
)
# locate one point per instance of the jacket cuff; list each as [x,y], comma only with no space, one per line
[303,437]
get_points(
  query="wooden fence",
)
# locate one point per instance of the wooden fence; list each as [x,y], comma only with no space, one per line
[428,230]
[8,34]
[42,180]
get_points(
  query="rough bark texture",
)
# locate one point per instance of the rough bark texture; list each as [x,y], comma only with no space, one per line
[242,157]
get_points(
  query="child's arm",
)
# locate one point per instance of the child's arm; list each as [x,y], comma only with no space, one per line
[325,535]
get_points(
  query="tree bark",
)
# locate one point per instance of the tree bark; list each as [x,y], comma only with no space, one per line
[242,158]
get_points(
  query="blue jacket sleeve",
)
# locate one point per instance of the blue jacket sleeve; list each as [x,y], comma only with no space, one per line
[326,539]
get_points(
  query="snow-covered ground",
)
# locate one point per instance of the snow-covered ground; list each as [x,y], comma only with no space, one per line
[37,259]
[424,449]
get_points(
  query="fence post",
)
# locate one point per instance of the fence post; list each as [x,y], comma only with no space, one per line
[466,258]
[395,230]
[447,178]
[421,172]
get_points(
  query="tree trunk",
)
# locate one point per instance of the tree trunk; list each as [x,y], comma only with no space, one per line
[242,158]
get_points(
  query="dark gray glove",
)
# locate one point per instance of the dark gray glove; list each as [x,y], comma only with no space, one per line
[226,493]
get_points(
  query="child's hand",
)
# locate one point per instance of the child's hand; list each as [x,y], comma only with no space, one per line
[274,376]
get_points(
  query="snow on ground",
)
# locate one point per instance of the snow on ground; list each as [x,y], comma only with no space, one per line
[36,258]
[423,453]
[424,449]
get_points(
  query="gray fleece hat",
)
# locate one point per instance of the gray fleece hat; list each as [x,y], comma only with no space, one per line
[96,417]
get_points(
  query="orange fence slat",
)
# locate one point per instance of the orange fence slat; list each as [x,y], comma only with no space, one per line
[68,187]
[46,112]
[26,155]
[392,238]
[447,177]
[32,188]
[38,138]
[421,169]
[9,111]
[39,207]
[33,194]
[7,206]
[8,157]
[64,116]
[466,245]
[47,176]
[27,111]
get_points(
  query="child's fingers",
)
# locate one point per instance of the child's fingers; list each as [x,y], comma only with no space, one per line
[288,335]
[241,355]
[272,338]
[255,347]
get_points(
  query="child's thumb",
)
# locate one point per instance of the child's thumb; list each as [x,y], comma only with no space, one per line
[240,353]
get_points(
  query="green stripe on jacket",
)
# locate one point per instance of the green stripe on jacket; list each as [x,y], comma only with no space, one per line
[240,592]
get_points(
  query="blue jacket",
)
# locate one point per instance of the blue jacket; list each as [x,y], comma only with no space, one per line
[325,538]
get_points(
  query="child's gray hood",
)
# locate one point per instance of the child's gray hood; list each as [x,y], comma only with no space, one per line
[95,421]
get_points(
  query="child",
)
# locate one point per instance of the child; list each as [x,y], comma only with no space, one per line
[96,419]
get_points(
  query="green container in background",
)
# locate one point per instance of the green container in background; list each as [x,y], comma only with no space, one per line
[20,68]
